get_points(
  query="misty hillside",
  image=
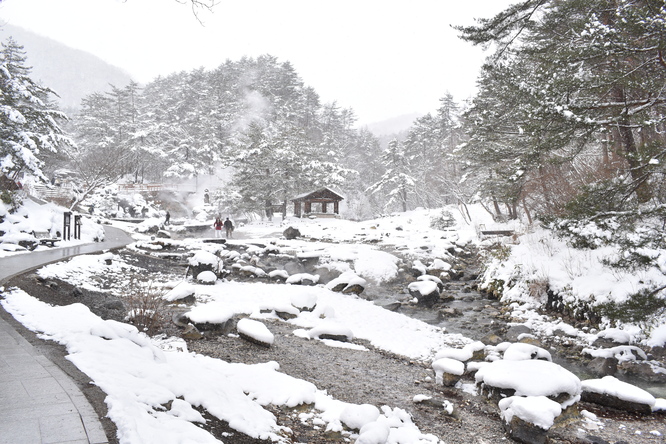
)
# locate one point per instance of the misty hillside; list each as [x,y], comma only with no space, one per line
[71,73]
[393,126]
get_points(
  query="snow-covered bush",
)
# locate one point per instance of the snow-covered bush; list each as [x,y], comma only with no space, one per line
[145,307]
[443,220]
[11,199]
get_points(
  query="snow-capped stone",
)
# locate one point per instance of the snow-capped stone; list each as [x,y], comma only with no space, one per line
[250,270]
[374,433]
[528,419]
[279,275]
[426,292]
[521,352]
[255,331]
[611,392]
[302,279]
[621,353]
[448,371]
[304,301]
[537,410]
[438,267]
[206,277]
[181,293]
[331,330]
[348,282]
[203,257]
[530,378]
[355,416]
[418,268]
[203,261]
[461,354]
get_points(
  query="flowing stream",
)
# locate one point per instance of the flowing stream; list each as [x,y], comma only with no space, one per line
[472,314]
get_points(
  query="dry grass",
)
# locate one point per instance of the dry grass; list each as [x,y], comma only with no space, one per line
[146,309]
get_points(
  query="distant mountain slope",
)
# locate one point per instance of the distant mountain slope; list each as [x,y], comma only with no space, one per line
[393,125]
[71,73]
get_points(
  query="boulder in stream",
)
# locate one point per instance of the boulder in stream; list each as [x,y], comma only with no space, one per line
[426,292]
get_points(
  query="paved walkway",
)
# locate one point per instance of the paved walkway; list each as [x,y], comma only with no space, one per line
[39,403]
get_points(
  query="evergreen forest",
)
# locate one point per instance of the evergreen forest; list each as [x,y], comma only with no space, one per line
[567,124]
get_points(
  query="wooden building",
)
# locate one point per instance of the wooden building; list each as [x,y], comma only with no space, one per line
[317,203]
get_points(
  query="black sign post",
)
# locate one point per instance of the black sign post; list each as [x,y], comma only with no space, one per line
[66,229]
[77,226]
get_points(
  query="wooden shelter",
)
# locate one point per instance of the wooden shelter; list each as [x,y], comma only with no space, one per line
[317,203]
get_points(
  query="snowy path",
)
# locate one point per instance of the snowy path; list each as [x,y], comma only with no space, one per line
[12,265]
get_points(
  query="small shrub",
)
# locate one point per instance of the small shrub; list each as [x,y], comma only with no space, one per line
[538,289]
[495,288]
[499,251]
[11,199]
[146,309]
[641,306]
[600,197]
[442,221]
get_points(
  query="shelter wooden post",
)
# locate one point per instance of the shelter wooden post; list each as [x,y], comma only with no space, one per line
[321,200]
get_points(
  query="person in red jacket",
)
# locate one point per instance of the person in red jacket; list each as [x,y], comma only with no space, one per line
[217,225]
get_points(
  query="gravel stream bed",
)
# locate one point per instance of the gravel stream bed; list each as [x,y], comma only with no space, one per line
[356,376]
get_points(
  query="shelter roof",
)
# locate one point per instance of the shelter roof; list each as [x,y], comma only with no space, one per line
[322,193]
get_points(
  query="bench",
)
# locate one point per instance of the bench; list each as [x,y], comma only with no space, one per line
[497,232]
[44,238]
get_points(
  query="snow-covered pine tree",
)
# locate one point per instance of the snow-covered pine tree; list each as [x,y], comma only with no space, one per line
[398,181]
[29,120]
[430,145]
[573,99]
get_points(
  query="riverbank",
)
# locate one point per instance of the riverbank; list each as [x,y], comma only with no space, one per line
[365,376]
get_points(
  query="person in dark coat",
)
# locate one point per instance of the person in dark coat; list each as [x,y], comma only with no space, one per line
[229,227]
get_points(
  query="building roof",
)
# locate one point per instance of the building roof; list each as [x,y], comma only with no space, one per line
[322,193]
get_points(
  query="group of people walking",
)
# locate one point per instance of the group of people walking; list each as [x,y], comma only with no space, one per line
[228,227]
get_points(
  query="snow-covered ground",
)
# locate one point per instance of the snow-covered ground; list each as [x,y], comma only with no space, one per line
[153,383]
[46,220]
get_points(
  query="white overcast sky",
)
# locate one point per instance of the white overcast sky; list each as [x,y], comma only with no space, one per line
[383,58]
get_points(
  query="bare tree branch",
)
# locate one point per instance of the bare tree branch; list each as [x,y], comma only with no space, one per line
[198,5]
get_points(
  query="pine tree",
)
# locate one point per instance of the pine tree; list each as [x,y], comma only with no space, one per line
[397,182]
[573,87]
[29,121]
[254,115]
[430,145]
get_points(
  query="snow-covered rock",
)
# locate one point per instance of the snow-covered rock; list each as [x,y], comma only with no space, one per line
[281,275]
[183,292]
[331,330]
[521,352]
[355,416]
[527,419]
[304,301]
[438,266]
[621,353]
[611,392]
[428,277]
[255,331]
[203,261]
[302,279]
[206,277]
[374,433]
[530,378]
[461,354]
[448,371]
[347,282]
[426,292]
[252,271]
